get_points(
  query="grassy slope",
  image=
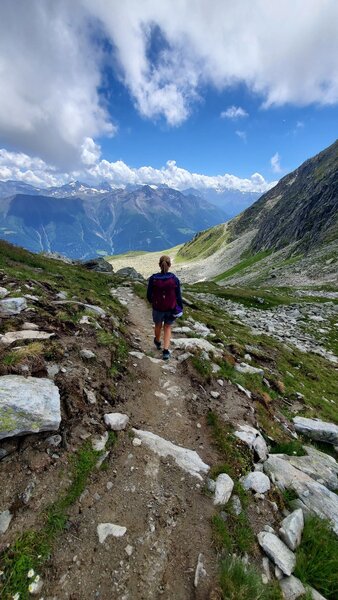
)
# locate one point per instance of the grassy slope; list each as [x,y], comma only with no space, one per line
[204,244]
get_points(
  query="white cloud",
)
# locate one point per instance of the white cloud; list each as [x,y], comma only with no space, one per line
[35,171]
[234,112]
[241,135]
[54,54]
[90,152]
[275,163]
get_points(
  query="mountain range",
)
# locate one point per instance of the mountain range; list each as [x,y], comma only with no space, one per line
[82,222]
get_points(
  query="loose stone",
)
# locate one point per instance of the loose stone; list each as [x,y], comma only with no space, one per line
[223,490]
[291,529]
[116,421]
[106,529]
[279,553]
[257,481]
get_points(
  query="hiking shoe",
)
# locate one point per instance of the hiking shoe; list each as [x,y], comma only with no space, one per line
[166,355]
[157,344]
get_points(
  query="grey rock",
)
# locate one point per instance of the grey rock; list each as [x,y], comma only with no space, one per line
[27,494]
[315,497]
[248,369]
[99,443]
[54,440]
[90,396]
[184,357]
[130,273]
[211,485]
[5,519]
[29,326]
[28,405]
[321,431]
[292,528]
[200,570]
[11,337]
[291,588]
[12,306]
[191,344]
[52,370]
[223,490]
[87,354]
[236,505]
[257,481]
[266,567]
[98,264]
[254,439]
[215,394]
[106,529]
[279,553]
[3,292]
[320,466]
[116,421]
[316,595]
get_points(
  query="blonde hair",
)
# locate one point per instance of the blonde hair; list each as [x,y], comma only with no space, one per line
[164,263]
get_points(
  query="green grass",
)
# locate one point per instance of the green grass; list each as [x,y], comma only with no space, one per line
[307,373]
[47,274]
[203,367]
[235,455]
[240,582]
[317,558]
[293,448]
[234,534]
[242,265]
[204,244]
[33,548]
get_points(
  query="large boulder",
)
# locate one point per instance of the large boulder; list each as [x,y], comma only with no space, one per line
[28,405]
[321,431]
[313,497]
[130,273]
[292,528]
[98,264]
[320,466]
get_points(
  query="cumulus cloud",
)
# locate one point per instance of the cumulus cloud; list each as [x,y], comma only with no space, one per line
[234,112]
[275,163]
[54,56]
[37,172]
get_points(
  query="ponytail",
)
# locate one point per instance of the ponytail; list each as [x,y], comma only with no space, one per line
[165,264]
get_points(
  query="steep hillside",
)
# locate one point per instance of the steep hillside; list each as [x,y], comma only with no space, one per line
[302,208]
[288,235]
[85,222]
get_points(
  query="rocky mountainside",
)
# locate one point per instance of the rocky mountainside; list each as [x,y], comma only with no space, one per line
[124,476]
[82,222]
[288,237]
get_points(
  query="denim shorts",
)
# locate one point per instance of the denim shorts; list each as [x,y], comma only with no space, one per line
[163,317]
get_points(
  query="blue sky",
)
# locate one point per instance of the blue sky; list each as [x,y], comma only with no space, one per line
[184,92]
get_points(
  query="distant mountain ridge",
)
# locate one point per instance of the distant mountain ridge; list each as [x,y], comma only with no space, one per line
[81,222]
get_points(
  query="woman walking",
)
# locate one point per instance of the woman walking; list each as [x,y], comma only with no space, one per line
[164,293]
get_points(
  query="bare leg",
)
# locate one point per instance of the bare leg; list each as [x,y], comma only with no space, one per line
[167,336]
[158,327]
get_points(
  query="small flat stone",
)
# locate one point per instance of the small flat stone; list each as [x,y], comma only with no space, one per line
[136,354]
[12,337]
[99,443]
[215,394]
[5,519]
[106,529]
[87,354]
[3,292]
[30,326]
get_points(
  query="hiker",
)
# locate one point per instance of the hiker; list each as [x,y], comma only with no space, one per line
[164,293]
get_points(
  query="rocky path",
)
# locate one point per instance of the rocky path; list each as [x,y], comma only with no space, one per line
[161,505]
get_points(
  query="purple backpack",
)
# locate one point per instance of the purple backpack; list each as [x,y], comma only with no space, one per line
[164,294]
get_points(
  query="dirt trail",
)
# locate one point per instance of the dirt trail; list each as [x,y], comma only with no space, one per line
[165,510]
